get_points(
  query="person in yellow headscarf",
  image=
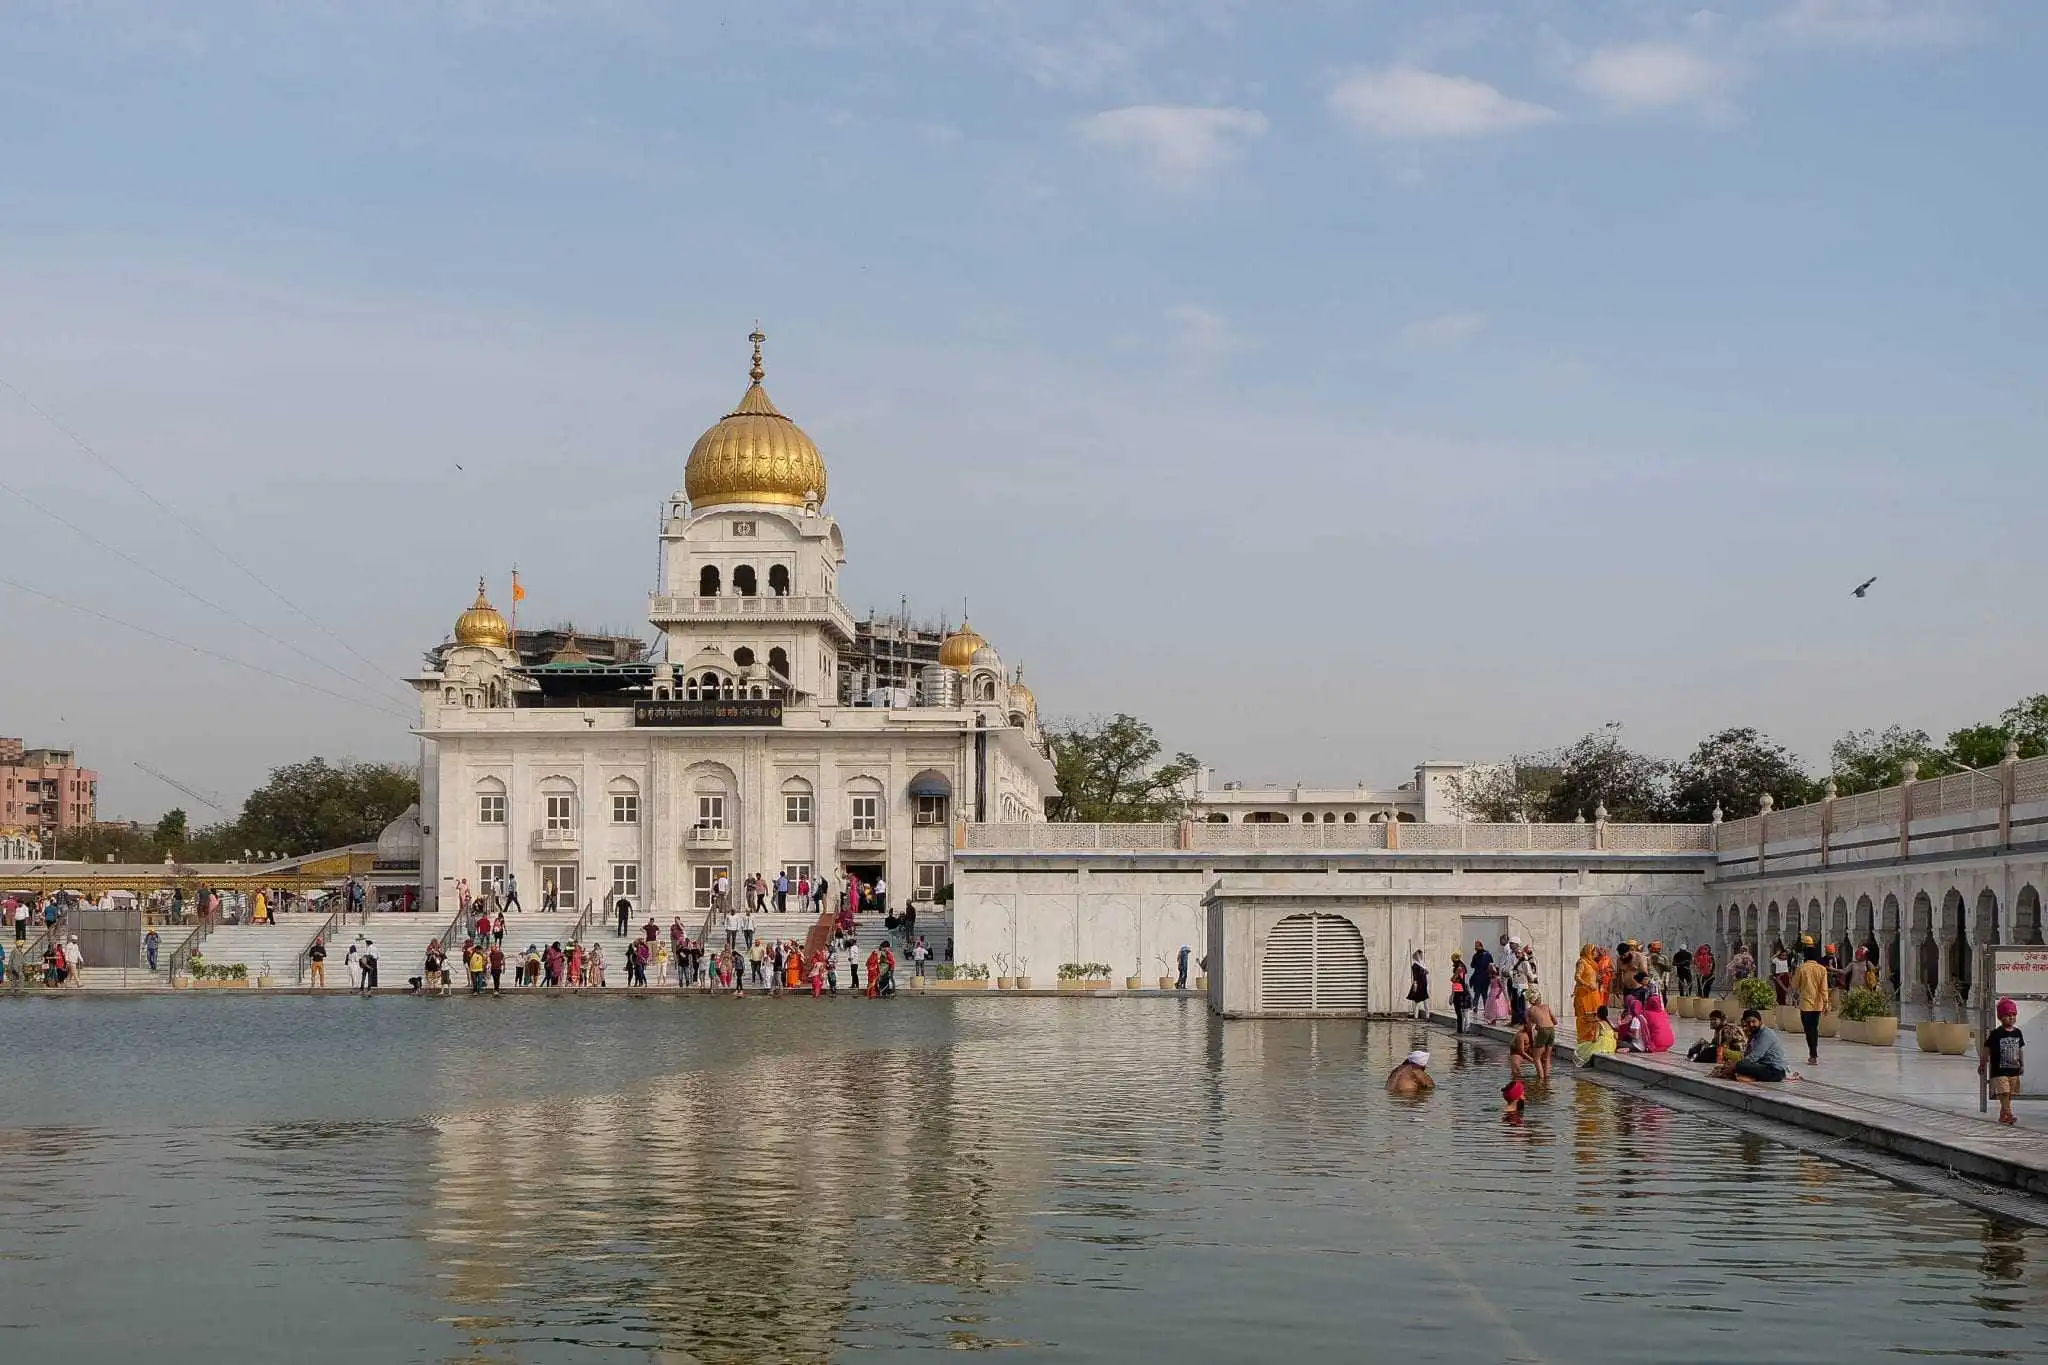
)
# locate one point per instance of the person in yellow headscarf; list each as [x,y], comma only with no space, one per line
[1587,995]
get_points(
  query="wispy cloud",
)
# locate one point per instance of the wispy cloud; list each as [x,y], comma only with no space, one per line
[1444,332]
[1200,338]
[1881,23]
[1404,102]
[1179,145]
[1637,77]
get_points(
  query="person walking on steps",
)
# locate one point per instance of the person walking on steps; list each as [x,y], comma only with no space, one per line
[512,892]
[316,964]
[1810,986]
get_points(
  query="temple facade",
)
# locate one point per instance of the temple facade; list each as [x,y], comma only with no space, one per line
[741,742]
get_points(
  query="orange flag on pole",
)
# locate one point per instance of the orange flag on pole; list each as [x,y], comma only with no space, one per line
[518,593]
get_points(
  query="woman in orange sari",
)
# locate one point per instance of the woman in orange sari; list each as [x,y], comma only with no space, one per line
[793,965]
[1587,993]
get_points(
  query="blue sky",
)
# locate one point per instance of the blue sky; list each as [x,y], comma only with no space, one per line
[1334,385]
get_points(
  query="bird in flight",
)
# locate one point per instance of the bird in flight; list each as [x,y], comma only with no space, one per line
[1864,587]
[459,466]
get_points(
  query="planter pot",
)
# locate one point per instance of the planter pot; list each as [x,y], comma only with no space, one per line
[917,983]
[960,983]
[1085,983]
[1688,1007]
[1134,983]
[1924,1035]
[1881,1030]
[1788,1019]
[1830,1025]
[1201,983]
[1952,1039]
[1850,1030]
[266,982]
[1165,983]
[1006,983]
[1023,983]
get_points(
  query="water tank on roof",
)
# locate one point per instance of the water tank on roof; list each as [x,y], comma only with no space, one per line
[939,685]
[890,697]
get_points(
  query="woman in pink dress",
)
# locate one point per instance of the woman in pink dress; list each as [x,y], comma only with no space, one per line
[1656,1023]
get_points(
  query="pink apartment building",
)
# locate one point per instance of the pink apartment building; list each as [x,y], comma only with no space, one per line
[44,792]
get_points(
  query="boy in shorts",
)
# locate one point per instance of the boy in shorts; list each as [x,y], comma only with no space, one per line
[2002,1058]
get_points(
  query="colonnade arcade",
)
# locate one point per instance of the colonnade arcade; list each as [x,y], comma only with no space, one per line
[1925,931]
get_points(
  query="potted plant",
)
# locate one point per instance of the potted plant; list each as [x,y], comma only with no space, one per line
[1166,977]
[1951,1036]
[1006,980]
[1864,1018]
[1926,1032]
[1084,976]
[1755,993]
[1136,980]
[1787,1020]
[1023,974]
[963,976]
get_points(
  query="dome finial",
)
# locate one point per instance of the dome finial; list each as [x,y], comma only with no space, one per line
[757,337]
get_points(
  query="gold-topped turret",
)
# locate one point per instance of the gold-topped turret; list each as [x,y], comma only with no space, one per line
[754,454]
[957,651]
[482,625]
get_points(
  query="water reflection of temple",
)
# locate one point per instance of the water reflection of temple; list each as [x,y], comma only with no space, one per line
[721,1211]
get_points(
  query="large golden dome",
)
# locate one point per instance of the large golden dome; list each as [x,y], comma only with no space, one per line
[481,624]
[958,649]
[754,454]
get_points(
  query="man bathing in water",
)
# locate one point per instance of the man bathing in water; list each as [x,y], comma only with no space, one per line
[1411,1077]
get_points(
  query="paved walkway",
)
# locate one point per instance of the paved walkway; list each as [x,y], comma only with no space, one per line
[1898,1100]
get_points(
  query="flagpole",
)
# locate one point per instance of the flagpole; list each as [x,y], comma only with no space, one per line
[515,613]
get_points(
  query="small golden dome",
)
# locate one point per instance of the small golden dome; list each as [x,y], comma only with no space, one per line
[957,651]
[481,624]
[754,454]
[1020,695]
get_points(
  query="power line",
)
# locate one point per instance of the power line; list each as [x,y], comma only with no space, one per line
[74,527]
[179,517]
[201,649]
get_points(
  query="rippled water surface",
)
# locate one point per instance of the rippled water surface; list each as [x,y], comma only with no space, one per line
[554,1180]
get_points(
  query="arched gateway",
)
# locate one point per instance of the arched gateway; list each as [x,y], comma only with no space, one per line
[1313,962]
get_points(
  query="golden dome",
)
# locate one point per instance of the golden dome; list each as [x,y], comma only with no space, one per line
[1020,695]
[754,454]
[957,651]
[481,624]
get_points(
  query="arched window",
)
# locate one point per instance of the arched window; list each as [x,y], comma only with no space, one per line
[490,802]
[984,689]
[778,661]
[448,695]
[1404,818]
[1379,817]
[1350,817]
[557,804]
[743,656]
[743,580]
[1329,818]
[754,693]
[1218,818]
[1308,817]
[707,581]
[778,579]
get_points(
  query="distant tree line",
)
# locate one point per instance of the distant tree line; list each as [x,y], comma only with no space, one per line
[1731,769]
[301,808]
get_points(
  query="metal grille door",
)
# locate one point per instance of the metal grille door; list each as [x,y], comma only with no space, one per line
[1313,962]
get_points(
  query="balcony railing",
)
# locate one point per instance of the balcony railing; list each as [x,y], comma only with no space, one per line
[670,608]
[708,836]
[863,838]
[550,839]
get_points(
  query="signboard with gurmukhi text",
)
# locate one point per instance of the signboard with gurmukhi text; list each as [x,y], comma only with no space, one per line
[708,711]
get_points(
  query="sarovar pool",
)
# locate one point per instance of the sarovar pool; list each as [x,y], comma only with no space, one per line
[543,1180]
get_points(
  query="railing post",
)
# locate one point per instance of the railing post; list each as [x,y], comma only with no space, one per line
[1763,829]
[2008,782]
[1827,821]
[1910,775]
[1600,826]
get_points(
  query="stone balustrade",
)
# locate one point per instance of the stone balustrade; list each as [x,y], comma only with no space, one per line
[1204,837]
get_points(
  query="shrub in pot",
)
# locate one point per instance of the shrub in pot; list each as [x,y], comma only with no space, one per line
[1788,1019]
[1870,1014]
[1755,993]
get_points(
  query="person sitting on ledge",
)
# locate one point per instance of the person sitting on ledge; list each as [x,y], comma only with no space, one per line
[1764,1057]
[1412,1076]
[1719,1035]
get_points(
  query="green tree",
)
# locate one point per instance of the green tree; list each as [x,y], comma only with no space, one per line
[2024,724]
[313,805]
[1733,770]
[1599,770]
[1864,760]
[171,833]
[2026,720]
[1498,793]
[1109,772]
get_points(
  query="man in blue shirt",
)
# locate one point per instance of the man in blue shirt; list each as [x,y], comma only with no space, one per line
[1764,1058]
